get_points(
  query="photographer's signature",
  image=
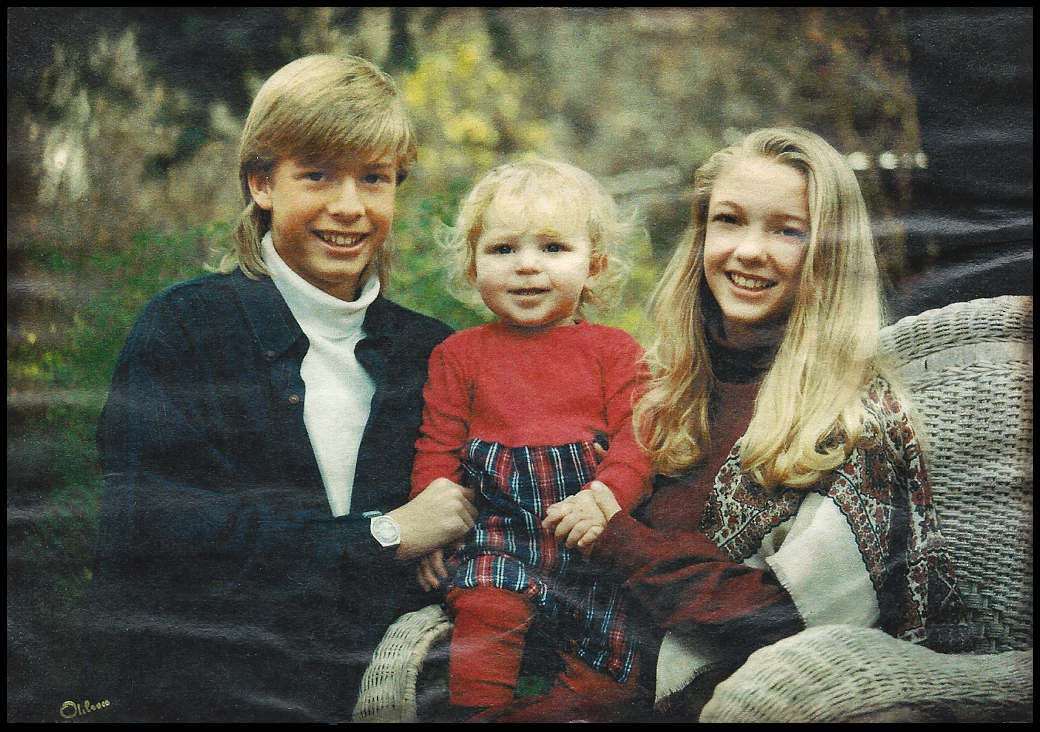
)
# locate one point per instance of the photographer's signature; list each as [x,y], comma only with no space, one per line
[71,710]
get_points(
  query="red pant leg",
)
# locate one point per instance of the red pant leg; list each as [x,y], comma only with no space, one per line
[487,645]
[581,694]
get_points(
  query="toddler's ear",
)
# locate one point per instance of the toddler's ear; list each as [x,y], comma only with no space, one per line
[597,266]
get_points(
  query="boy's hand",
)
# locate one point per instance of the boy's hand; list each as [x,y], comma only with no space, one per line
[431,571]
[442,513]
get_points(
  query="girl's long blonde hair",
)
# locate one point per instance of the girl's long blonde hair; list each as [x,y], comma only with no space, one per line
[319,109]
[809,409]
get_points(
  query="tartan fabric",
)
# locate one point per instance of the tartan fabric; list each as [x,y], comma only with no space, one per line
[509,549]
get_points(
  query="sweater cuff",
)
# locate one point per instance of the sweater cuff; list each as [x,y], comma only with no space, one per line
[619,542]
[627,484]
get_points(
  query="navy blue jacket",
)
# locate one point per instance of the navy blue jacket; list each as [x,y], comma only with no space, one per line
[225,588]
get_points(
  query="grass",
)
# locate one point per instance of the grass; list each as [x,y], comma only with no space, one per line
[68,314]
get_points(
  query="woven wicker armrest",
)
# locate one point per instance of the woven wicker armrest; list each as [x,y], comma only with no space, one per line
[388,686]
[837,673]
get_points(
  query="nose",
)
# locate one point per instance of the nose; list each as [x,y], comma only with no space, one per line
[751,244]
[527,260]
[345,199]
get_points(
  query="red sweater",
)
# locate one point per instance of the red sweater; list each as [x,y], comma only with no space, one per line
[555,387]
[679,575]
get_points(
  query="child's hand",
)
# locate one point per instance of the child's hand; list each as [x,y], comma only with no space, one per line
[431,571]
[578,521]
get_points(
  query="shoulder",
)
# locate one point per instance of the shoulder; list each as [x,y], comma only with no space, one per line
[194,304]
[609,344]
[191,293]
[883,400]
[890,423]
[462,345]
[610,336]
[411,330]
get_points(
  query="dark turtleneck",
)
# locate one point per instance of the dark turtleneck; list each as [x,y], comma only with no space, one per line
[730,364]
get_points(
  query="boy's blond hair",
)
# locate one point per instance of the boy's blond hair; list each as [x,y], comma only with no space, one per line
[562,187]
[812,395]
[318,109]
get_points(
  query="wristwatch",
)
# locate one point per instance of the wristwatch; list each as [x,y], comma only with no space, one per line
[384,529]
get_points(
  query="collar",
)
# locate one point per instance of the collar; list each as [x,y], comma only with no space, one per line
[273,324]
[730,364]
[318,313]
[270,319]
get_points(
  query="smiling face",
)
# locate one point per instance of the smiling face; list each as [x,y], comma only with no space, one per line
[329,220]
[755,244]
[532,262]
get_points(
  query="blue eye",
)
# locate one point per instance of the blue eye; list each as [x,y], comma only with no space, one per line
[555,247]
[793,233]
[315,175]
[500,249]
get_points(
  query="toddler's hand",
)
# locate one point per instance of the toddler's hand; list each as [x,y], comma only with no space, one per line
[578,521]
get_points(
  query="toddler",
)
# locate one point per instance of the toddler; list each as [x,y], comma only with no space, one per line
[513,409]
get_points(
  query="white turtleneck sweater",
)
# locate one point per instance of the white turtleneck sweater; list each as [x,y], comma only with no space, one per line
[339,391]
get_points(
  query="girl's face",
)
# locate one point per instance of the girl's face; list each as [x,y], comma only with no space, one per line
[754,246]
[532,263]
[328,221]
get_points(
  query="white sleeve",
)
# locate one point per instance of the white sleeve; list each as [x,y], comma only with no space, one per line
[820,565]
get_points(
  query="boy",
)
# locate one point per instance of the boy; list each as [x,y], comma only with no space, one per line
[258,437]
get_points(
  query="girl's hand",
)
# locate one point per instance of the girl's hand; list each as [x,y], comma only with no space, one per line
[442,513]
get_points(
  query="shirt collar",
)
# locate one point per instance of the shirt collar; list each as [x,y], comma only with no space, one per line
[270,319]
[318,312]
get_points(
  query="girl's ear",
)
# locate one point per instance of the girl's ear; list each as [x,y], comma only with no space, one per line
[260,188]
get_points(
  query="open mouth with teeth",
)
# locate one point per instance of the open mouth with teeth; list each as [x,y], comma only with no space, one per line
[340,240]
[529,291]
[749,283]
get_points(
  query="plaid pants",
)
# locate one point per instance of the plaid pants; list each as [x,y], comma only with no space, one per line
[509,549]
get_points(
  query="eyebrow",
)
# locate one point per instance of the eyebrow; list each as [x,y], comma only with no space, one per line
[783,216]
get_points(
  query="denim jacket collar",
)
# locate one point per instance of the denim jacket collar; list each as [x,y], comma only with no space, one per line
[274,326]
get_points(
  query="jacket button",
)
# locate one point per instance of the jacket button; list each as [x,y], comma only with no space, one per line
[294,399]
[268,354]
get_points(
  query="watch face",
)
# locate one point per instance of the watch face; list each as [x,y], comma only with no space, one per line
[386,531]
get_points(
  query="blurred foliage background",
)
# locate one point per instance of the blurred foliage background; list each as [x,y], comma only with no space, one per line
[122,135]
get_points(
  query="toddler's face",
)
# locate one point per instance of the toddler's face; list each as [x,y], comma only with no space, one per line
[755,245]
[329,220]
[533,262]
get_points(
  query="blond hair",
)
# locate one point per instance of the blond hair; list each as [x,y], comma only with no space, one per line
[565,188]
[320,109]
[809,410]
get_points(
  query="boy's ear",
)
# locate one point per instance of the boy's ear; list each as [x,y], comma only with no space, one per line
[260,188]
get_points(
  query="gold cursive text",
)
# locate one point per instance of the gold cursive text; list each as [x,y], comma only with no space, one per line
[70,710]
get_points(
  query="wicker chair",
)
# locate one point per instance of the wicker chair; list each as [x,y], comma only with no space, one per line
[969,367]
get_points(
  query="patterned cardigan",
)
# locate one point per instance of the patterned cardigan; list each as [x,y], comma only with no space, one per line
[882,492]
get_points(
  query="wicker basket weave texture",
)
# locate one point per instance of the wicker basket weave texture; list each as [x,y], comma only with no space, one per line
[840,673]
[969,369]
[388,686]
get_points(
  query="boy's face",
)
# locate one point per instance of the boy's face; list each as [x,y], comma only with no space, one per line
[329,220]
